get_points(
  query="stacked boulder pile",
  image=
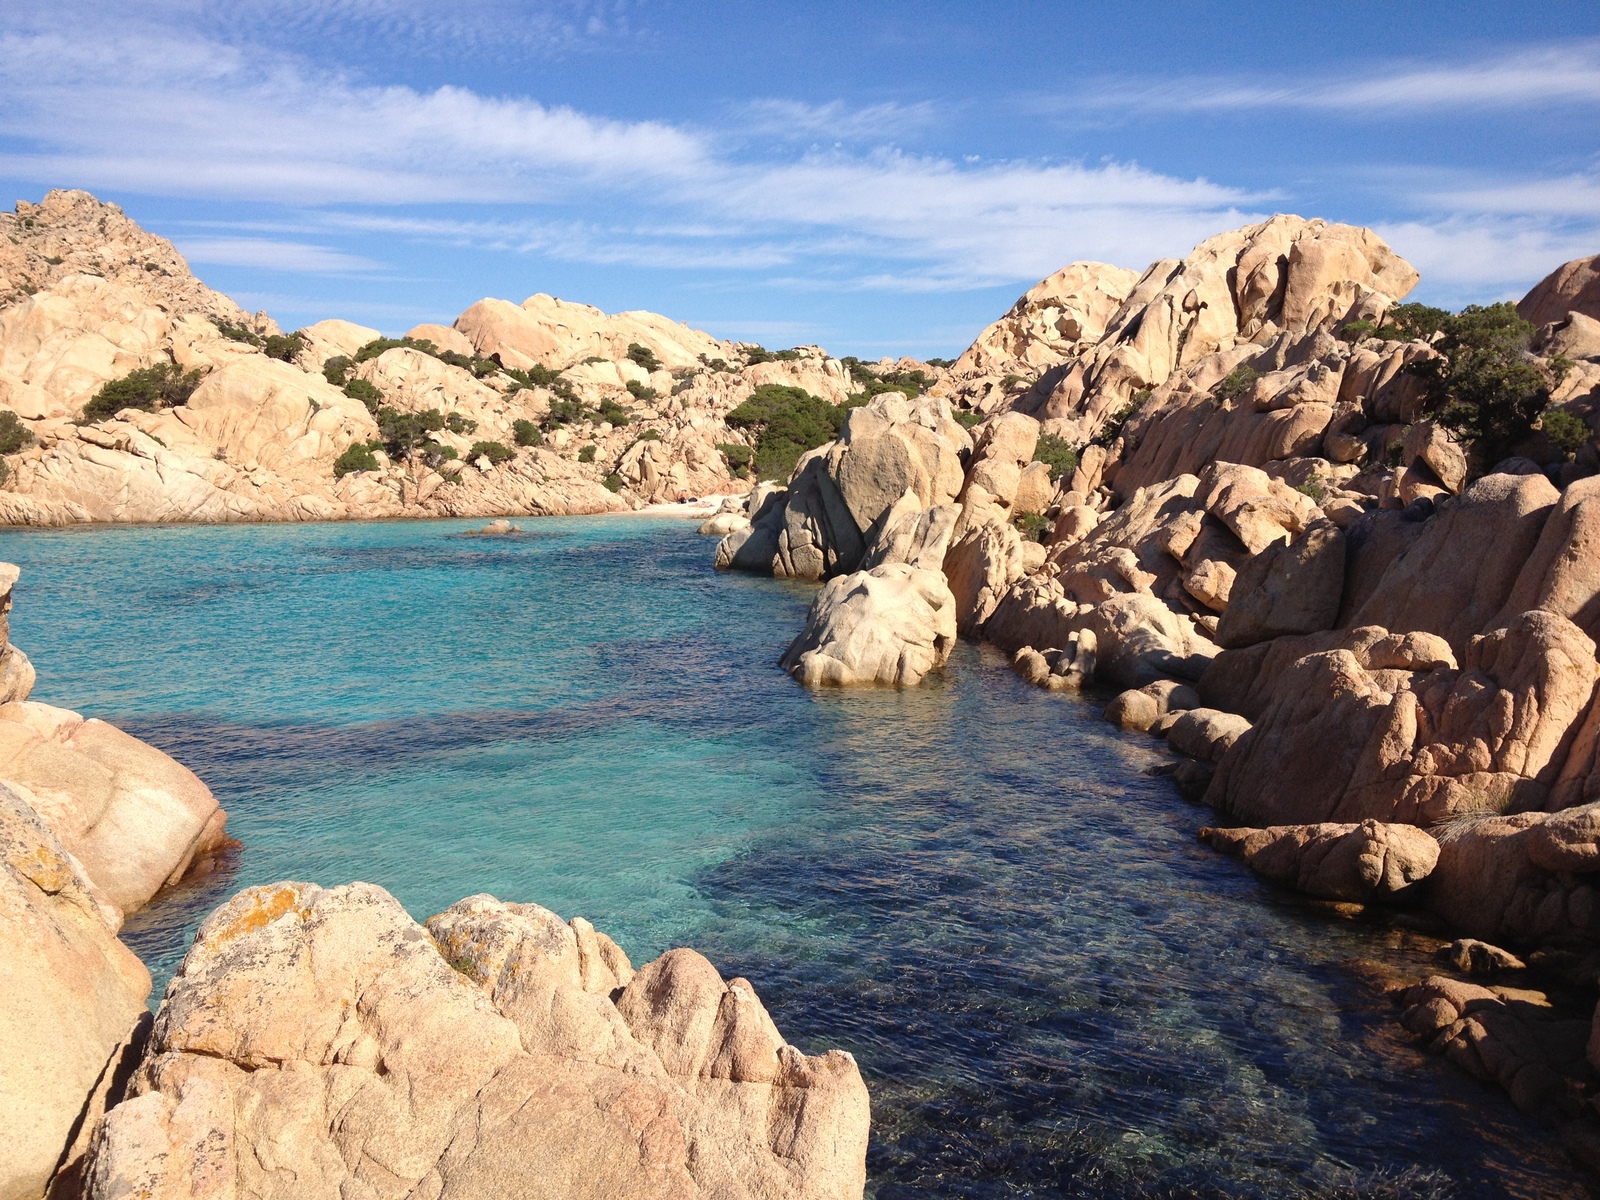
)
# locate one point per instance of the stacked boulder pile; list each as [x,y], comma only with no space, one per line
[1373,649]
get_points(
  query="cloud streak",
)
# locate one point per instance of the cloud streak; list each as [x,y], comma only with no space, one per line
[1567,75]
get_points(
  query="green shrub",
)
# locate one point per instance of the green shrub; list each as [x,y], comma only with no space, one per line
[1060,455]
[756,353]
[14,435]
[968,418]
[644,356]
[456,423]
[1568,433]
[404,433]
[563,412]
[789,421]
[478,366]
[1237,383]
[1412,322]
[940,362]
[534,376]
[284,348]
[613,482]
[639,392]
[1486,388]
[1314,489]
[683,385]
[358,456]
[336,370]
[595,358]
[238,333]
[586,455]
[1032,526]
[164,385]
[526,433]
[787,356]
[366,392]
[613,412]
[495,452]
[378,345]
[649,435]
[738,456]
[1112,429]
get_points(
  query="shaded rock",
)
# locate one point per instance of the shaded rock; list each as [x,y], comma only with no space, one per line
[322,1036]
[981,566]
[1206,733]
[890,625]
[1139,708]
[911,534]
[1363,863]
[1515,1040]
[1141,640]
[1472,957]
[1286,589]
[1430,445]
[1340,741]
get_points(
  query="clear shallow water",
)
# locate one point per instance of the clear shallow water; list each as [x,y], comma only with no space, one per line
[1051,988]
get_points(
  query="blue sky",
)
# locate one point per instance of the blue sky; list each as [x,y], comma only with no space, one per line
[879,178]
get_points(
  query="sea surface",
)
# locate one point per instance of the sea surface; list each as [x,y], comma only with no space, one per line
[973,886]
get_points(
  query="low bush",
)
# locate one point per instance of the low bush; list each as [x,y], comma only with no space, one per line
[644,356]
[968,418]
[458,424]
[404,433]
[358,456]
[534,376]
[526,433]
[284,348]
[366,392]
[737,456]
[613,412]
[1060,455]
[1112,429]
[336,370]
[378,346]
[586,455]
[613,482]
[755,353]
[148,389]
[238,333]
[1032,526]
[639,392]
[1237,382]
[649,435]
[14,435]
[563,412]
[788,421]
[940,362]
[1487,388]
[1567,432]
[495,452]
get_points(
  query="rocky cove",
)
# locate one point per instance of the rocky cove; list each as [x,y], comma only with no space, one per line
[1257,549]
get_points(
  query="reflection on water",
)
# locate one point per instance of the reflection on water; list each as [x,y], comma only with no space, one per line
[1052,989]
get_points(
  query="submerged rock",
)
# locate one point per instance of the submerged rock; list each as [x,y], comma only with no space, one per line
[319,1042]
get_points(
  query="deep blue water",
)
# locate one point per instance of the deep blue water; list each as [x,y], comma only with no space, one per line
[1052,989]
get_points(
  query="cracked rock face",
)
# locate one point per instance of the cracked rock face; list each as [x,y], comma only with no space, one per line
[320,1043]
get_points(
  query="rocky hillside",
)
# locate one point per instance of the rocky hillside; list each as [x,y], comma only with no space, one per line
[142,395]
[1334,548]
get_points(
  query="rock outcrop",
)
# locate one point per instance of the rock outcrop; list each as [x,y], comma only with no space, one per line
[1359,863]
[319,1042]
[71,1002]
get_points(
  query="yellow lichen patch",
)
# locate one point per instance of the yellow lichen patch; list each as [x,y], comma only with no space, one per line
[266,905]
[44,868]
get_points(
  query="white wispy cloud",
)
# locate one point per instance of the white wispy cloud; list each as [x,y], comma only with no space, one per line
[274,255]
[1568,74]
[795,120]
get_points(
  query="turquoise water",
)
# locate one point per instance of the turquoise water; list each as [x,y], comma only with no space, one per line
[1051,988]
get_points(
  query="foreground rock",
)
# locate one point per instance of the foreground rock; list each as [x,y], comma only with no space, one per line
[71,1000]
[890,625]
[318,1042]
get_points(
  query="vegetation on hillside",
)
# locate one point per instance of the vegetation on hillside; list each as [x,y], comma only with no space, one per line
[165,385]
[787,422]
